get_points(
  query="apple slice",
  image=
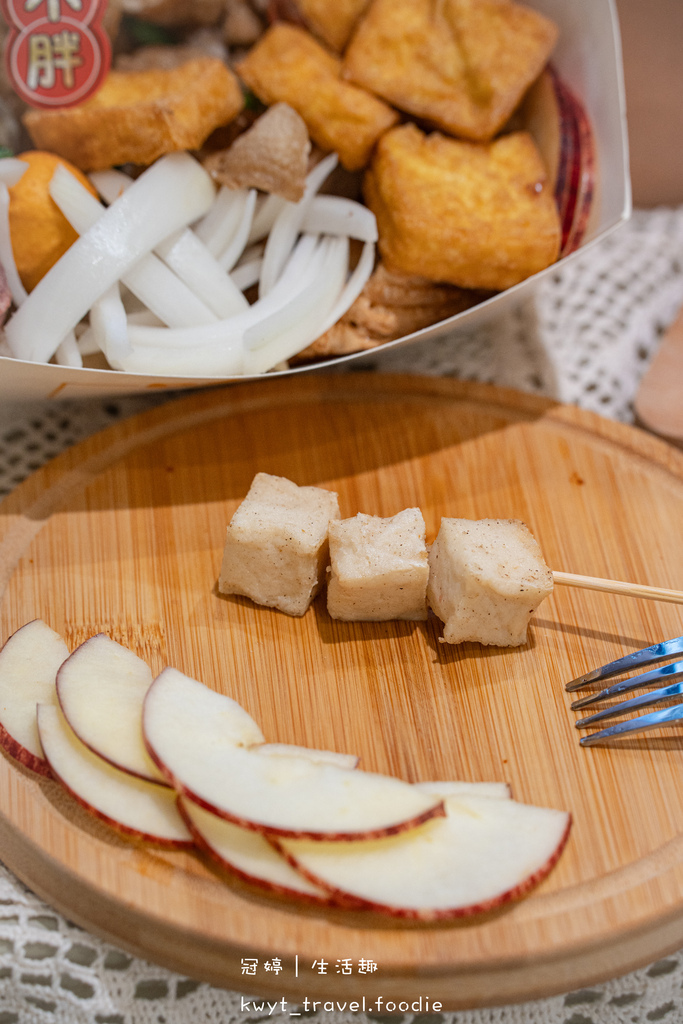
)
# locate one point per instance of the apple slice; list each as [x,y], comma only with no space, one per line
[100,688]
[28,665]
[482,854]
[348,761]
[247,854]
[133,806]
[492,790]
[192,734]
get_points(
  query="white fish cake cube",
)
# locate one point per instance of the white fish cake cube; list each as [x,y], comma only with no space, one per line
[378,568]
[486,578]
[276,548]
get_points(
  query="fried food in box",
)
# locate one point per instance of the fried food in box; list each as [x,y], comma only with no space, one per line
[288,65]
[333,23]
[272,155]
[137,116]
[390,306]
[477,215]
[463,65]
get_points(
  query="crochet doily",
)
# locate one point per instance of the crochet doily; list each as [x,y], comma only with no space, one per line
[585,337]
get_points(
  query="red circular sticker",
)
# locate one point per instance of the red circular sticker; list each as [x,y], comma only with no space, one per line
[57,53]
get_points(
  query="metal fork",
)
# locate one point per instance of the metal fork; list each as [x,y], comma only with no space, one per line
[642,723]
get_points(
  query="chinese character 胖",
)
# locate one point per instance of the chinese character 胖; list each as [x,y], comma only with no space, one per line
[249,966]
[48,54]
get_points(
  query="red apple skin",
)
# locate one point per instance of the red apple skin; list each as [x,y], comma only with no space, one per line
[438,811]
[429,914]
[114,764]
[124,830]
[26,759]
[226,866]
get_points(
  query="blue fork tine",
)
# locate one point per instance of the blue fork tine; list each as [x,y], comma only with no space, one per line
[646,656]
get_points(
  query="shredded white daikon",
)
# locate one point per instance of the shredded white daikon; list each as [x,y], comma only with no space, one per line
[19,293]
[167,196]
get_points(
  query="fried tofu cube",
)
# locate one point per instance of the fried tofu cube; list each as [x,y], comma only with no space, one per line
[477,215]
[378,568]
[463,65]
[486,578]
[288,65]
[333,23]
[137,116]
[277,547]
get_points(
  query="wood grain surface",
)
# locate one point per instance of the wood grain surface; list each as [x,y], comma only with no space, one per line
[124,534]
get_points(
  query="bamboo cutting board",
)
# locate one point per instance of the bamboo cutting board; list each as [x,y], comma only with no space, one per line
[124,534]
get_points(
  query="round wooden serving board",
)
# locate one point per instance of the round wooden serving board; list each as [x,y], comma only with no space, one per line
[124,534]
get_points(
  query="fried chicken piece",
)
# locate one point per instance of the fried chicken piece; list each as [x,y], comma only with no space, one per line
[272,155]
[137,116]
[463,65]
[390,306]
[288,65]
[477,215]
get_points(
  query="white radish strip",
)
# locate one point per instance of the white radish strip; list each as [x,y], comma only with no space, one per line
[185,254]
[110,184]
[109,324]
[229,256]
[230,330]
[247,274]
[335,215]
[265,216]
[19,293]
[150,280]
[287,226]
[68,353]
[167,196]
[87,345]
[323,297]
[299,301]
[225,359]
[134,806]
[12,170]
[353,287]
[193,263]
[219,226]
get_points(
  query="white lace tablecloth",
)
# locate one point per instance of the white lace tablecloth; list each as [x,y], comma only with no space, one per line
[586,337]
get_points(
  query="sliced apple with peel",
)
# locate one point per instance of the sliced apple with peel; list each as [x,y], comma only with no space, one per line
[348,761]
[29,661]
[493,790]
[101,687]
[287,795]
[484,853]
[134,806]
[247,854]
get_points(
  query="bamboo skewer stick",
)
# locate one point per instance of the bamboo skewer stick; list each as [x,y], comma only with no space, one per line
[569,579]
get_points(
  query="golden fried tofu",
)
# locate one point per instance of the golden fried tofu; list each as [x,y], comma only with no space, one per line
[288,65]
[478,215]
[333,23]
[137,116]
[463,65]
[272,155]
